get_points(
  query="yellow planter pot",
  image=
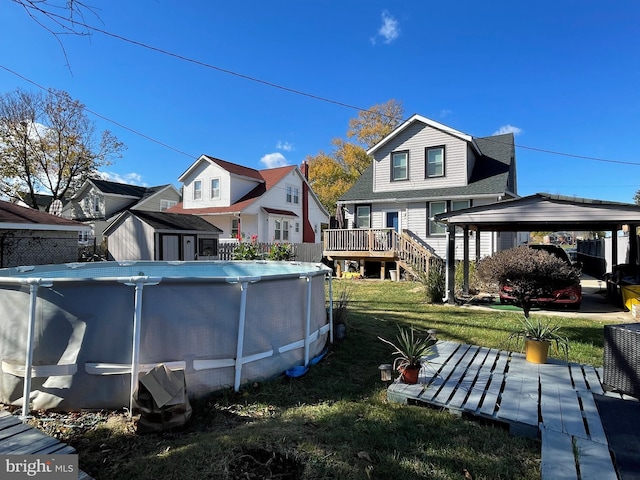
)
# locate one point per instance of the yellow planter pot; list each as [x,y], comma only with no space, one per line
[536,351]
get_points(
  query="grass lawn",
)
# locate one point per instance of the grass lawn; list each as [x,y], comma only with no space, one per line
[334,422]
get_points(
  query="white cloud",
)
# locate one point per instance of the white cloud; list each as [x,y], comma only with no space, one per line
[445,112]
[390,29]
[128,178]
[508,129]
[273,160]
[286,146]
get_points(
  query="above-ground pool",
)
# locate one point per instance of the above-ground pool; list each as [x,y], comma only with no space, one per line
[86,331]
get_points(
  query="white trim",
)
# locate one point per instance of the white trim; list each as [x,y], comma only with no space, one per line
[430,123]
[45,226]
[125,368]
[18,369]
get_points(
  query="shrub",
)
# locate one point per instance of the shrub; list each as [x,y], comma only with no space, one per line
[434,281]
[530,273]
[281,251]
[247,250]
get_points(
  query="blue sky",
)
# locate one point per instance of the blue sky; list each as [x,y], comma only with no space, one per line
[563,75]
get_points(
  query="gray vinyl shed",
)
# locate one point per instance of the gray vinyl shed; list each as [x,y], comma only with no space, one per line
[538,212]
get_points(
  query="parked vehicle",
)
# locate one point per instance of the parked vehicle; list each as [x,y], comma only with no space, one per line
[568,297]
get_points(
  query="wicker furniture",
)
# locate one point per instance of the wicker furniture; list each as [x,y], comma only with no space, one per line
[622,358]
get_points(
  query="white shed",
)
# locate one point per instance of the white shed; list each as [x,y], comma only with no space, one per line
[138,235]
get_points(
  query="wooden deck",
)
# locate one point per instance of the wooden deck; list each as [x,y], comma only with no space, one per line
[18,438]
[553,402]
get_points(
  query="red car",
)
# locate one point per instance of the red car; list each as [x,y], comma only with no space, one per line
[568,297]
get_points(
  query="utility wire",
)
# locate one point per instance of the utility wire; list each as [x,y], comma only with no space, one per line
[277,86]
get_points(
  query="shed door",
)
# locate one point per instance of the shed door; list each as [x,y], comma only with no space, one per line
[170,248]
[189,247]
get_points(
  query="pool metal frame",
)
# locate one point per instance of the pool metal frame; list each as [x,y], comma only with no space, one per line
[139,283]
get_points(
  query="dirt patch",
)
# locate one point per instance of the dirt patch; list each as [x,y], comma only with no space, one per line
[260,463]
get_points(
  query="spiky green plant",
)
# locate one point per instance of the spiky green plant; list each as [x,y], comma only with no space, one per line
[541,331]
[410,349]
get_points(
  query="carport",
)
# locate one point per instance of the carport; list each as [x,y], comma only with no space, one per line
[538,212]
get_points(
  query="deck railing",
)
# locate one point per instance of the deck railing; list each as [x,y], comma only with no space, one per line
[361,240]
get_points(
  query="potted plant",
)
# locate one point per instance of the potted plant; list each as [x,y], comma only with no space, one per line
[538,337]
[410,351]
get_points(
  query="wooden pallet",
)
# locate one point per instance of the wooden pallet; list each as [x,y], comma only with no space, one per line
[553,402]
[18,438]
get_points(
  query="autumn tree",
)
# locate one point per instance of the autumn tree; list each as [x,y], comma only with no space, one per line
[48,145]
[332,174]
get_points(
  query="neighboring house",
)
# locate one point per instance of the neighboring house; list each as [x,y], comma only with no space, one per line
[141,235]
[272,205]
[43,201]
[98,202]
[423,168]
[32,237]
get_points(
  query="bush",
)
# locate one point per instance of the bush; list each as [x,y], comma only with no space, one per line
[281,251]
[247,250]
[434,282]
[530,273]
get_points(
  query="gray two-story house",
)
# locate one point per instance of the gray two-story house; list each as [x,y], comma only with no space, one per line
[421,169]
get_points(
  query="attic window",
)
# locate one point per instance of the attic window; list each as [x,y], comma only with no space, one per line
[399,166]
[215,188]
[435,162]
[166,204]
[197,190]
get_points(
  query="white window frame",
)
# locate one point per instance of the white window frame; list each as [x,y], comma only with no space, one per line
[197,189]
[235,227]
[296,195]
[395,169]
[436,229]
[289,193]
[215,191]
[360,217]
[96,205]
[285,230]
[277,229]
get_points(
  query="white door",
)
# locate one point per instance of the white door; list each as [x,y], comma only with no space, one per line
[189,247]
[170,248]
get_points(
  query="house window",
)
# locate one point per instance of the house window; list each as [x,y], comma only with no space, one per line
[399,166]
[285,230]
[459,205]
[297,227]
[277,233]
[363,216]
[293,194]
[435,162]
[434,209]
[83,238]
[235,227]
[197,190]
[96,204]
[215,189]
[166,204]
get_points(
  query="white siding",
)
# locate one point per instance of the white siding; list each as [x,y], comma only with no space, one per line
[415,139]
[153,203]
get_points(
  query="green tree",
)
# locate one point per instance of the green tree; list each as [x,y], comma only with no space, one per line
[49,145]
[332,174]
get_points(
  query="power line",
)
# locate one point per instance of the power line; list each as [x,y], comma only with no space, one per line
[273,85]
[147,137]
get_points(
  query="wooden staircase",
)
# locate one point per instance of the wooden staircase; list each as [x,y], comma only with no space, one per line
[414,256]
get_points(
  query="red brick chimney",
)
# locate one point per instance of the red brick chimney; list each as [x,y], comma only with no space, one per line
[308,235]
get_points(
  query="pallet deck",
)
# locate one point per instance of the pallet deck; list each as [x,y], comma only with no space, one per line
[553,402]
[18,438]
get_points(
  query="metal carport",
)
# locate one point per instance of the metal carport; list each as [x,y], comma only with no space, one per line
[538,212]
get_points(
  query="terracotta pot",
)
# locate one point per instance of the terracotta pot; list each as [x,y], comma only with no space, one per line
[409,374]
[536,351]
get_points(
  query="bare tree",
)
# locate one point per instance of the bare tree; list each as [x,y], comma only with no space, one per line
[48,145]
[59,17]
